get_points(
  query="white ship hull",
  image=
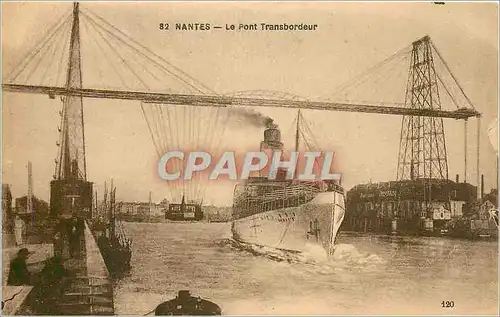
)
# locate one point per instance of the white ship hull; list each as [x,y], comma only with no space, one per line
[295,229]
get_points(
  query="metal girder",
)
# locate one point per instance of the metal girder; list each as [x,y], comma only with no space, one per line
[225,101]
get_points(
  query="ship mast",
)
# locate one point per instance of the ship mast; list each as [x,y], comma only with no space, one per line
[111,210]
[297,138]
[96,214]
[105,200]
[29,198]
[149,213]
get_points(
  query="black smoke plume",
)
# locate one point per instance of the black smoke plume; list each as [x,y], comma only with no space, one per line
[251,117]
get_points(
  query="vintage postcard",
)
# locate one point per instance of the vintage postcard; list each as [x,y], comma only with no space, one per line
[249,158]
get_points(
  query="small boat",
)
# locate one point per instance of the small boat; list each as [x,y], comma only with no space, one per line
[186,305]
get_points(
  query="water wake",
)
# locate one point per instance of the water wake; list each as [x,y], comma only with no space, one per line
[347,253]
[344,254]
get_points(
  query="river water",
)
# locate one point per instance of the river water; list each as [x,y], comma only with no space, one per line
[367,275]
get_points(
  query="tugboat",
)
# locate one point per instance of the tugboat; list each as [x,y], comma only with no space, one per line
[184,212]
[186,305]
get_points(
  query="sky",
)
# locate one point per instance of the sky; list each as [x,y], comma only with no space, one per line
[350,38]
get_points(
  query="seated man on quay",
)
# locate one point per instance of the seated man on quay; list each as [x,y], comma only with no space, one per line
[18,270]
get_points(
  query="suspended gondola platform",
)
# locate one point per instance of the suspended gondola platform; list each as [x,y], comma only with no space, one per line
[184,212]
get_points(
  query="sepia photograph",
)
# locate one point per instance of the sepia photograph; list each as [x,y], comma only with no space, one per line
[249,158]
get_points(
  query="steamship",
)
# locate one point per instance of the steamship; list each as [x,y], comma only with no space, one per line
[288,215]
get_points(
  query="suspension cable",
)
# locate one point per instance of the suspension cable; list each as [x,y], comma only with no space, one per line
[26,59]
[371,70]
[151,52]
[465,151]
[60,43]
[453,76]
[384,73]
[159,140]
[158,125]
[447,91]
[107,57]
[139,52]
[41,53]
[61,58]
[477,154]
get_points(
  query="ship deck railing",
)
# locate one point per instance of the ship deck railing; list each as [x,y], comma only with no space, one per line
[285,193]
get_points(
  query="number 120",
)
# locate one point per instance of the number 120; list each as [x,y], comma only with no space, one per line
[448,304]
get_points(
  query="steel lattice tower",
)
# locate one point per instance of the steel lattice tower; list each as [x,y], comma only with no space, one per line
[71,193]
[422,149]
[71,161]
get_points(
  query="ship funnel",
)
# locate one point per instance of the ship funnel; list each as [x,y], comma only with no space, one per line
[271,143]
[272,138]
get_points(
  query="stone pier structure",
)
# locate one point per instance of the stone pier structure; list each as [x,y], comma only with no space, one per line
[86,288]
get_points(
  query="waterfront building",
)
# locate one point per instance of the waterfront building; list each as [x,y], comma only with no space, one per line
[406,206]
[142,210]
[40,207]
[37,221]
